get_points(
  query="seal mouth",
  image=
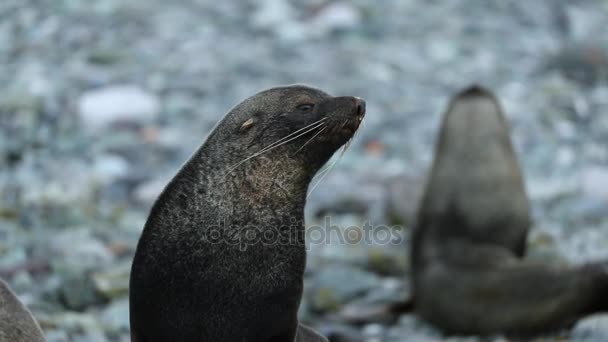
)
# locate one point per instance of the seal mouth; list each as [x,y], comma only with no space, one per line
[351,125]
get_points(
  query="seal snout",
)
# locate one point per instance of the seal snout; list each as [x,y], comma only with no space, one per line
[359,108]
[353,117]
[359,114]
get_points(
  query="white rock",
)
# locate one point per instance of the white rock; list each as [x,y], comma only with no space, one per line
[337,16]
[271,13]
[101,108]
[441,51]
[108,167]
[565,156]
[594,328]
[551,187]
[565,129]
[373,330]
[583,23]
[594,182]
[116,315]
[279,16]
[78,248]
[147,192]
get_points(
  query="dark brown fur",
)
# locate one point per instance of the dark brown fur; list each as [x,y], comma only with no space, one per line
[202,271]
[470,235]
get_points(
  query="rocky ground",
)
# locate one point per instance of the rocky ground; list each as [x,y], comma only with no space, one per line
[101,102]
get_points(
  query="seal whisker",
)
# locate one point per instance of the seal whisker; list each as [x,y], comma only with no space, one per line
[321,176]
[343,124]
[271,147]
[283,141]
[347,145]
[325,172]
[292,133]
[309,140]
[316,124]
[296,132]
[276,144]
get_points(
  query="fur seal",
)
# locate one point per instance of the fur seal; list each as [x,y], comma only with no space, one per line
[222,254]
[475,177]
[17,324]
[470,236]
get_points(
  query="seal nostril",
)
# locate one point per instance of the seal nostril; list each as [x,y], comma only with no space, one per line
[360,106]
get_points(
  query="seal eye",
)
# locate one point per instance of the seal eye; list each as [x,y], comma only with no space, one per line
[305,108]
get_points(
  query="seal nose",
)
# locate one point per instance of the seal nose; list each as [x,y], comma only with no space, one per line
[360,107]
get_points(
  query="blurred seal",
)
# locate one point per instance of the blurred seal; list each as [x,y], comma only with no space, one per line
[470,235]
[476,179]
[16,322]
[222,255]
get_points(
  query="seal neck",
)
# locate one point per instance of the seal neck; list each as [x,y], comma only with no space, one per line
[261,181]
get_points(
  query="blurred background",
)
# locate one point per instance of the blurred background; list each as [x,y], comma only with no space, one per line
[102,101]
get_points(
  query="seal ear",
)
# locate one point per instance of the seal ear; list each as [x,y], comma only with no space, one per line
[247,125]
